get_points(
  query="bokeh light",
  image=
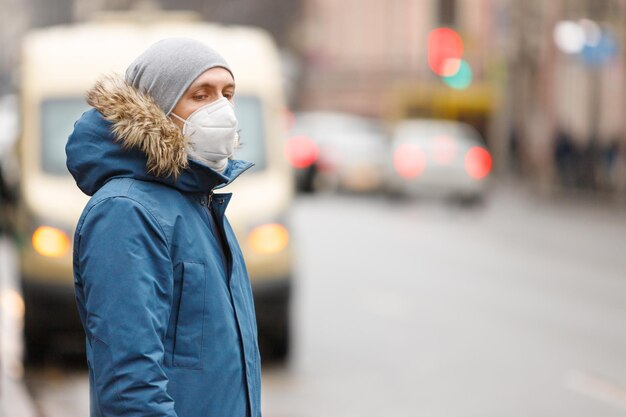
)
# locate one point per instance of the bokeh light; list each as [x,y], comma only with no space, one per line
[409,160]
[594,44]
[601,50]
[444,44]
[301,152]
[50,242]
[478,163]
[462,78]
[268,238]
[592,32]
[569,37]
[12,303]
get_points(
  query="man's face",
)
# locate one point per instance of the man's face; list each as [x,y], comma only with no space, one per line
[211,85]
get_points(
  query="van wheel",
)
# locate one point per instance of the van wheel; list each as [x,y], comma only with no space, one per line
[273,320]
[37,330]
[272,304]
[36,341]
[274,342]
[280,346]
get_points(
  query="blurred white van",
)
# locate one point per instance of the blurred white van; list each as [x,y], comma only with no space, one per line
[59,64]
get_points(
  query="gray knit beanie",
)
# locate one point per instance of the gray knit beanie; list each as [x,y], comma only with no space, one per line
[167,68]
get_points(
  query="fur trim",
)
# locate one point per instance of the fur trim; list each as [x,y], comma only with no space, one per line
[138,122]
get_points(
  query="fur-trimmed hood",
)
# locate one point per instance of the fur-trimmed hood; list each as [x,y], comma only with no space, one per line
[127,135]
[138,122]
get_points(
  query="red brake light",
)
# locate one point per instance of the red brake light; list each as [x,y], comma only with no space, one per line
[409,160]
[301,151]
[478,163]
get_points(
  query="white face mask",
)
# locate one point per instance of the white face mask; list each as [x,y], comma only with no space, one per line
[212,133]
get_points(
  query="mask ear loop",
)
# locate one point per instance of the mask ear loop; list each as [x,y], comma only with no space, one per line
[179,118]
[185,124]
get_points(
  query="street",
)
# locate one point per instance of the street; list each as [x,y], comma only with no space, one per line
[420,308]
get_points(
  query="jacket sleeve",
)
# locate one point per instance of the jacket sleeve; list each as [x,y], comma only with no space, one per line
[126,273]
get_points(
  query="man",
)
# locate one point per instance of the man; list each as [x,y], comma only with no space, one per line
[161,285]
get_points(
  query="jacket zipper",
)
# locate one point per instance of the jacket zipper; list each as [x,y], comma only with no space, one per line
[216,233]
[228,258]
[228,266]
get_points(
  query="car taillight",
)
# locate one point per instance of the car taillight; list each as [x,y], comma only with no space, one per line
[478,163]
[51,242]
[301,152]
[268,238]
[409,160]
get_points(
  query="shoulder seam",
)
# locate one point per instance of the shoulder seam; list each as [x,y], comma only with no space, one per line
[80,226]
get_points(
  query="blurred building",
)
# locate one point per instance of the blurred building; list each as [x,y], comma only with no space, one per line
[17,16]
[556,116]
[356,50]
[550,107]
[275,16]
[567,93]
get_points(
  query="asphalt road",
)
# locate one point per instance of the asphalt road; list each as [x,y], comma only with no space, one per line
[424,309]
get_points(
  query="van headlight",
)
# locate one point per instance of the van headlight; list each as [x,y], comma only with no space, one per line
[12,303]
[50,242]
[268,239]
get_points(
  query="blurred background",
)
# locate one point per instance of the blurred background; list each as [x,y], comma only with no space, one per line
[451,176]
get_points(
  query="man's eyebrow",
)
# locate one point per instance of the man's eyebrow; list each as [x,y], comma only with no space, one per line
[211,86]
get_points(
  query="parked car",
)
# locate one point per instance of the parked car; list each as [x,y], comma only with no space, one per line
[59,65]
[438,157]
[330,150]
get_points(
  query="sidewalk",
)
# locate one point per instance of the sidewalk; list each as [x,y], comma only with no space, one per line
[14,398]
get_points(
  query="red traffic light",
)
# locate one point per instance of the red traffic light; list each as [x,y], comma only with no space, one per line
[445,49]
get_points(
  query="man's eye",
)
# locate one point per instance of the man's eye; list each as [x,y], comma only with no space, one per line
[200,97]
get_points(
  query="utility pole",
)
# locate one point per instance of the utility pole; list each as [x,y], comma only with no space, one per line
[596,10]
[526,21]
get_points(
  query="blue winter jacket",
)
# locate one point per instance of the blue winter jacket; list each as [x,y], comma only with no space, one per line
[161,285]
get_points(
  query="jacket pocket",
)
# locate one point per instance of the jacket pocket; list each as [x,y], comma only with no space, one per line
[190,321]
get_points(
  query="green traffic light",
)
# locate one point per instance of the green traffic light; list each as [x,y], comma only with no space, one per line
[462,78]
